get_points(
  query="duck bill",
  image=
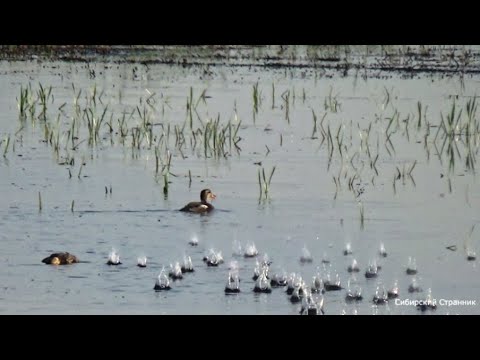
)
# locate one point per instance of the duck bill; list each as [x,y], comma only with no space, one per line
[213,196]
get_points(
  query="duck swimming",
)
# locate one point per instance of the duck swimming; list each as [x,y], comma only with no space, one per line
[204,205]
[63,258]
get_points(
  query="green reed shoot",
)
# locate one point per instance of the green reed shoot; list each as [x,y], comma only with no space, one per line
[157,159]
[387,98]
[256,98]
[76,98]
[7,142]
[94,123]
[470,161]
[286,104]
[260,183]
[411,168]
[165,184]
[264,183]
[314,131]
[202,97]
[419,107]
[165,171]
[337,186]
[362,216]
[331,103]
[24,102]
[189,107]
[471,109]
[43,96]
[122,127]
[273,95]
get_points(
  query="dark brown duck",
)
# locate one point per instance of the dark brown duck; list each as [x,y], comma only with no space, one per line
[202,206]
[63,258]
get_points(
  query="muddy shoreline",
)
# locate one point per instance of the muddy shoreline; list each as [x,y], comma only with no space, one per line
[407,59]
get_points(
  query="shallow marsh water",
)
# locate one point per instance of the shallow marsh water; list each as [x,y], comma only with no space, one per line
[418,217]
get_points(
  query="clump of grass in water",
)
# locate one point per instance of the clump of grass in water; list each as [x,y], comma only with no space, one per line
[459,130]
[331,103]
[25,102]
[146,127]
[43,96]
[191,107]
[216,138]
[263,183]
[165,172]
[94,122]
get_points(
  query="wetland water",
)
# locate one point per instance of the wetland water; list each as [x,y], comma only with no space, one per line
[342,146]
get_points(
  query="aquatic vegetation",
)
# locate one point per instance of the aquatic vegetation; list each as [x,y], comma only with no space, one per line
[7,143]
[40,206]
[263,183]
